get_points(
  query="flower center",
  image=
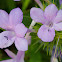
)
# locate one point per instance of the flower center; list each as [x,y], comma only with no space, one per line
[49,24]
[6,37]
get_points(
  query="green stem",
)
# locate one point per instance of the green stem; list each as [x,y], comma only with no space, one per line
[48,1]
[56,47]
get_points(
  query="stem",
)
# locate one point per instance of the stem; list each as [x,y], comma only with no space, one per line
[31,27]
[32,24]
[39,3]
[48,1]
[56,47]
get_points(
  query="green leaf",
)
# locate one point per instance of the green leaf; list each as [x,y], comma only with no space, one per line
[25,4]
[26,18]
[36,57]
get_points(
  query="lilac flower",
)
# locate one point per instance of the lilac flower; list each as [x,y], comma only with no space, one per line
[50,18]
[15,29]
[60,1]
[15,58]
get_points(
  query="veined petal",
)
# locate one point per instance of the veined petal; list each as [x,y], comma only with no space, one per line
[46,34]
[58,18]
[6,39]
[37,15]
[58,26]
[50,12]
[21,44]
[20,30]
[15,16]
[4,21]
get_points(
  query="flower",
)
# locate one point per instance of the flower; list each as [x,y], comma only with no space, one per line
[54,59]
[15,58]
[15,30]
[60,1]
[50,18]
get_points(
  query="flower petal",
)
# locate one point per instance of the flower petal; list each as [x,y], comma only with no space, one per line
[15,16]
[20,56]
[46,34]
[21,44]
[10,53]
[58,18]
[58,26]
[60,1]
[4,21]
[10,60]
[20,30]
[6,39]
[37,15]
[50,12]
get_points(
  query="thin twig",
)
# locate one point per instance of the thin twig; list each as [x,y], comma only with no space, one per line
[56,47]
[39,3]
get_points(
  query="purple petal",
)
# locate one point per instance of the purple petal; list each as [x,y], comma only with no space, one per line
[37,15]
[10,53]
[58,18]
[21,44]
[4,21]
[20,56]
[60,1]
[10,60]
[15,16]
[50,12]
[58,26]
[46,34]
[20,30]
[6,39]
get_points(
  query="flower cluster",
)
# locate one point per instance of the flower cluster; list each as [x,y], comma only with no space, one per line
[15,30]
